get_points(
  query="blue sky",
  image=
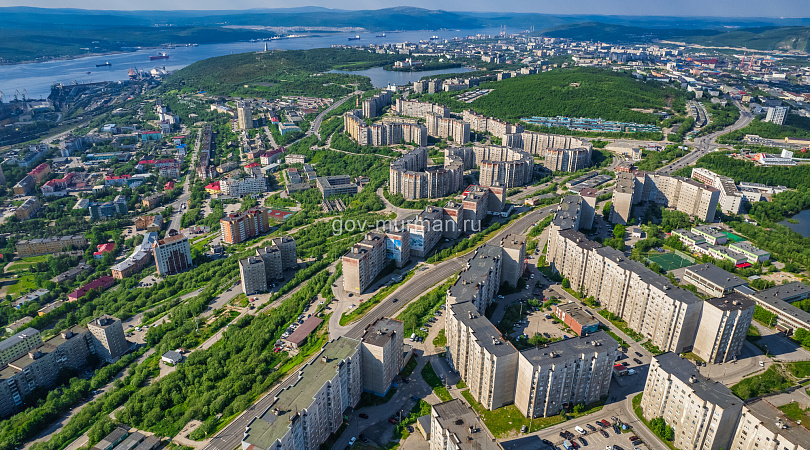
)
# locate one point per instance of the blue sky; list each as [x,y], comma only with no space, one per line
[721,8]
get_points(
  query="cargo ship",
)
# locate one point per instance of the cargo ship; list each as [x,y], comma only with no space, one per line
[356,38]
[106,64]
[160,55]
[381,35]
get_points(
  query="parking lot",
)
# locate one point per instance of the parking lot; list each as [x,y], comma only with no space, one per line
[587,433]
[537,322]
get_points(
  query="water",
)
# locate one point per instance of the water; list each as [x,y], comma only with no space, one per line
[381,77]
[37,78]
[803,227]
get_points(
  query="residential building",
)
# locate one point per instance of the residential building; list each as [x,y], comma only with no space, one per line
[777,300]
[100,284]
[304,414]
[425,230]
[411,176]
[46,246]
[107,210]
[369,257]
[503,166]
[107,335]
[415,108]
[295,159]
[138,260]
[568,372]
[576,317]
[18,345]
[731,199]
[18,324]
[149,223]
[777,115]
[712,280]
[244,115]
[383,354]
[703,413]
[724,324]
[336,185]
[372,106]
[682,194]
[481,279]
[764,426]
[71,273]
[242,186]
[25,186]
[40,172]
[453,130]
[152,201]
[28,209]
[567,159]
[239,227]
[289,256]
[711,235]
[455,426]
[252,273]
[271,260]
[172,254]
[514,258]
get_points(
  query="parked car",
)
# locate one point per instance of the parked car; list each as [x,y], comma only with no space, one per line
[637,361]
[352,441]
[639,354]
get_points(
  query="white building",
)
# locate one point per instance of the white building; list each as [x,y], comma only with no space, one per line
[777,114]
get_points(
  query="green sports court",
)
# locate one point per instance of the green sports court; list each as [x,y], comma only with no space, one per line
[669,261]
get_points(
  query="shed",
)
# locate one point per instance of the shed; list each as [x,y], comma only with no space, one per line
[172,357]
[300,334]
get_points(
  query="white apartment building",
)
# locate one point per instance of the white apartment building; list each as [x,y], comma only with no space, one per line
[172,254]
[777,114]
[703,413]
[764,426]
[253,275]
[723,327]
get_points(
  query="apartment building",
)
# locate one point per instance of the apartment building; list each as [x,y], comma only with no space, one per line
[723,327]
[289,257]
[455,426]
[369,257]
[383,354]
[682,194]
[483,359]
[496,127]
[271,260]
[567,159]
[172,254]
[415,108]
[567,372]
[387,132]
[40,172]
[41,366]
[712,280]
[242,186]
[448,128]
[777,114]
[411,176]
[304,414]
[540,143]
[514,258]
[28,209]
[25,186]
[648,302]
[503,166]
[244,115]
[731,200]
[107,336]
[336,185]
[703,413]
[49,245]
[764,426]
[372,106]
[19,344]
[481,278]
[426,230]
[253,275]
[138,260]
[239,227]
[625,195]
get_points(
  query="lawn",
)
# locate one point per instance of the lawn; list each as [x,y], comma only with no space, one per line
[369,399]
[795,413]
[441,339]
[409,366]
[772,380]
[433,380]
[799,369]
[620,324]
[640,414]
[508,419]
[24,283]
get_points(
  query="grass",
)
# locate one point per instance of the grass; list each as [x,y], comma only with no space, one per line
[367,305]
[409,366]
[441,339]
[799,369]
[692,357]
[640,414]
[620,324]
[369,399]
[794,412]
[433,380]
[461,385]
[653,348]
[615,336]
[772,380]
[24,283]
[507,420]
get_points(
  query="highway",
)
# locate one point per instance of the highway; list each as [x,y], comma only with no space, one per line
[316,124]
[230,437]
[704,144]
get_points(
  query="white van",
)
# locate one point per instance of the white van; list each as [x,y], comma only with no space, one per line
[580,430]
[413,336]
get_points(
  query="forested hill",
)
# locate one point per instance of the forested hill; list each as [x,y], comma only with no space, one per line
[759,38]
[279,71]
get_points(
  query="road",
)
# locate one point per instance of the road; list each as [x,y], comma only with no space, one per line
[316,124]
[704,144]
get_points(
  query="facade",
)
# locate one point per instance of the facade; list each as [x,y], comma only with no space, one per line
[777,115]
[411,176]
[372,106]
[369,257]
[239,227]
[138,260]
[387,132]
[252,273]
[271,260]
[107,335]
[682,194]
[455,426]
[447,128]
[567,159]
[703,413]
[565,373]
[514,258]
[503,166]
[46,246]
[414,108]
[777,300]
[723,327]
[576,317]
[40,172]
[172,254]
[712,280]
[753,254]
[336,185]
[383,354]
[764,426]
[25,186]
[304,414]
[244,115]
[242,186]
[28,209]
[101,284]
[19,344]
[731,200]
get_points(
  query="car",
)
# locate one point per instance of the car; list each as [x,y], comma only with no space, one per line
[363,438]
[523,429]
[363,415]
[590,427]
[633,438]
[394,300]
[583,441]
[599,423]
[352,441]
[580,430]
[604,433]
[639,354]
[637,361]
[616,429]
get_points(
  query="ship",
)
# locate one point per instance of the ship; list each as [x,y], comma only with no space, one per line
[434,37]
[356,38]
[381,35]
[160,55]
[106,64]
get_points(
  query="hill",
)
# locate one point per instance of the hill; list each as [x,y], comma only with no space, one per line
[600,93]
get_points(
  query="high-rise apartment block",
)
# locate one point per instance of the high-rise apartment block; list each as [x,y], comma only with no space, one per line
[448,128]
[385,132]
[567,372]
[703,413]
[108,338]
[567,159]
[172,254]
[253,275]
[731,199]
[244,115]
[382,354]
[682,194]
[369,257]
[455,426]
[724,325]
[777,115]
[411,176]
[420,110]
[764,426]
[372,106]
[503,166]
[239,227]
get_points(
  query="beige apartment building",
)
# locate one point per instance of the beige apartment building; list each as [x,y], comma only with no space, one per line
[480,281]
[567,372]
[682,194]
[723,327]
[271,258]
[289,257]
[244,115]
[567,159]
[447,128]
[254,277]
[46,246]
[368,258]
[764,426]
[455,426]
[703,413]
[107,334]
[382,354]
[514,258]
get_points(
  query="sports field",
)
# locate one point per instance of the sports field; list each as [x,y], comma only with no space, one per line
[733,237]
[669,261]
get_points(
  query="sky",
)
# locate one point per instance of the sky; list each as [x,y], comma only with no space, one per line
[704,8]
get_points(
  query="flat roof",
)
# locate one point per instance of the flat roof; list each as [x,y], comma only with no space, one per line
[790,292]
[578,313]
[568,348]
[716,275]
[269,427]
[745,246]
[469,280]
[482,328]
[456,418]
[711,391]
[17,338]
[769,415]
[733,301]
[380,331]
[304,330]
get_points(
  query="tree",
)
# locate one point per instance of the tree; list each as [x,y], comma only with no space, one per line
[566,283]
[606,210]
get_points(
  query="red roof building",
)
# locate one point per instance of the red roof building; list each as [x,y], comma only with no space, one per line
[102,249]
[168,186]
[40,172]
[101,283]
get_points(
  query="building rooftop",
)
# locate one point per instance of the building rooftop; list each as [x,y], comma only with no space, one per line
[274,423]
[380,331]
[716,275]
[570,348]
[304,330]
[469,280]
[567,212]
[745,246]
[484,331]
[732,302]
[707,230]
[771,416]
[19,336]
[790,292]
[513,241]
[684,370]
[461,422]
[578,313]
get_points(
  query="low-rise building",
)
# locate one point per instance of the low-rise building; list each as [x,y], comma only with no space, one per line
[712,280]
[576,317]
[53,244]
[138,260]
[28,209]
[711,235]
[754,254]
[336,185]
[101,283]
[776,300]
